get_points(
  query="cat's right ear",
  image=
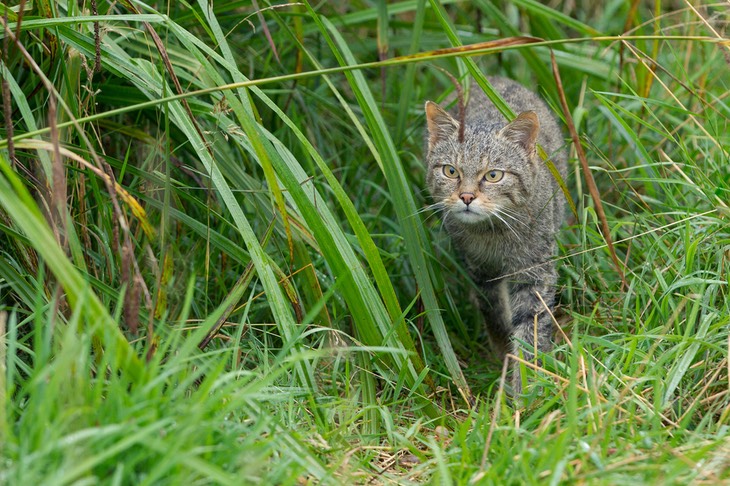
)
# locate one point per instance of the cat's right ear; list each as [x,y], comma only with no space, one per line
[441,125]
[523,130]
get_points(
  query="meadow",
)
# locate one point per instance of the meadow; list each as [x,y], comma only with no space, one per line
[218,264]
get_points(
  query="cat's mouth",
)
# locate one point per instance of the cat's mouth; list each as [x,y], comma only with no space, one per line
[467,215]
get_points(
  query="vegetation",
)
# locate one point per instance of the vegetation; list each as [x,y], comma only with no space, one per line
[218,265]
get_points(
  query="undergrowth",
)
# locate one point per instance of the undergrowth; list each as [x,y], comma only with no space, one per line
[217,265]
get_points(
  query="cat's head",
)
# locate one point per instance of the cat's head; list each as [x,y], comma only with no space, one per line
[486,176]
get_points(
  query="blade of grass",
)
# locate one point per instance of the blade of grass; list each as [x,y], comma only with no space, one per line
[405,206]
[20,206]
[588,175]
[542,10]
[410,75]
[367,309]
[364,238]
[537,66]
[149,81]
[119,67]
[3,376]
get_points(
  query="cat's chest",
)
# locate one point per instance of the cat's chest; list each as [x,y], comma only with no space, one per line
[487,254]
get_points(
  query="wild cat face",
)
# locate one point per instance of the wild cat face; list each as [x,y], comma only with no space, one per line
[471,193]
[487,176]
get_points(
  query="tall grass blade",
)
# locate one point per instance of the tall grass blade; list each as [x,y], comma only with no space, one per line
[405,206]
[22,209]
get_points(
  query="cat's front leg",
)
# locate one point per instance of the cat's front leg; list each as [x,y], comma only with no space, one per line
[531,323]
[494,303]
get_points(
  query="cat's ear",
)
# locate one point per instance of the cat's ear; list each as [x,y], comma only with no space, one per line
[523,130]
[441,125]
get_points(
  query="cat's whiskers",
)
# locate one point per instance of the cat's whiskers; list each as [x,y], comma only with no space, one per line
[436,207]
[430,216]
[497,214]
[506,212]
[443,221]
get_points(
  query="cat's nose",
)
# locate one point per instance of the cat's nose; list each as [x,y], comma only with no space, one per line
[467,197]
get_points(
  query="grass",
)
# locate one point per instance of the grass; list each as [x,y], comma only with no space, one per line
[215,266]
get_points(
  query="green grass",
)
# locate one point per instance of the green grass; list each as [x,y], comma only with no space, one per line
[215,267]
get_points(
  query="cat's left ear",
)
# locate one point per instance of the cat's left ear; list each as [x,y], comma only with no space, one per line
[441,125]
[523,130]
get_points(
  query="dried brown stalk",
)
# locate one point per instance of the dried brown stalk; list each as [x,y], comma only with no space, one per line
[587,174]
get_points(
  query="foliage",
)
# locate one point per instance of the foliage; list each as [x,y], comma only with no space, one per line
[216,266]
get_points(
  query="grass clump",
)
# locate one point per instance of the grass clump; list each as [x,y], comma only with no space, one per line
[215,265]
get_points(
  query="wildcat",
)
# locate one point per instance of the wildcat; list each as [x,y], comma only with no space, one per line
[502,208]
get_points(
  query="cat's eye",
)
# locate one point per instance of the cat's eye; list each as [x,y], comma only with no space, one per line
[450,171]
[494,175]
